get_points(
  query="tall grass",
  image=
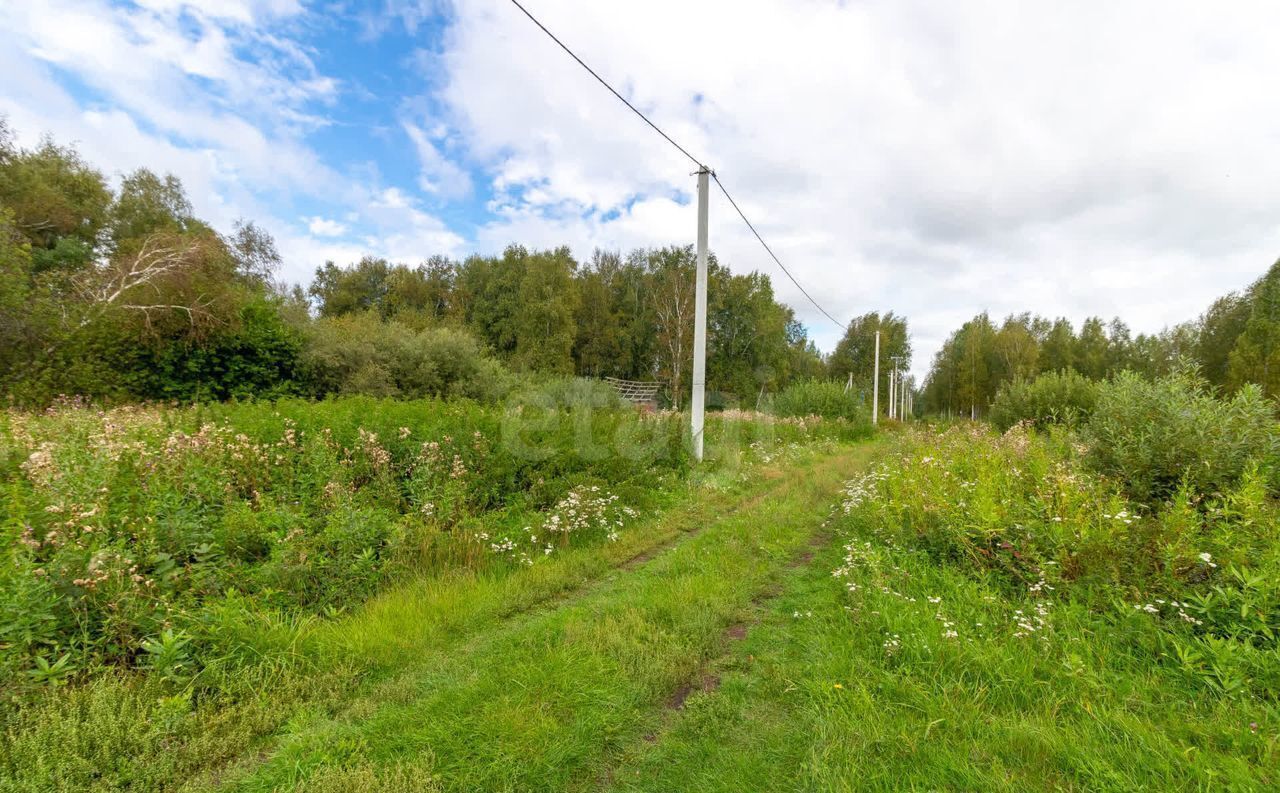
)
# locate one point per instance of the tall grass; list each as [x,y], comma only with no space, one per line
[1025,510]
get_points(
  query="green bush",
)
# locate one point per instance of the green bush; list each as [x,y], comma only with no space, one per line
[825,398]
[1154,435]
[361,354]
[1065,397]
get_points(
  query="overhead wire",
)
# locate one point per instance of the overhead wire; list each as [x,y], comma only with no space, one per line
[769,250]
[685,152]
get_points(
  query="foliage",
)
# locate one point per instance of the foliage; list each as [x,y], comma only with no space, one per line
[1024,509]
[131,535]
[1065,397]
[1235,342]
[825,398]
[1157,436]
[1255,357]
[360,354]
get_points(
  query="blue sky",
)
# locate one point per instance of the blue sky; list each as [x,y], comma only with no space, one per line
[932,159]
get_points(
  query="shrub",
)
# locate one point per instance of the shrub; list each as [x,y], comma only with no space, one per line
[1153,435]
[825,398]
[361,354]
[1065,397]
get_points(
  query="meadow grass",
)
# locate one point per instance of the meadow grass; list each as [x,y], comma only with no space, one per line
[172,679]
[546,702]
[995,617]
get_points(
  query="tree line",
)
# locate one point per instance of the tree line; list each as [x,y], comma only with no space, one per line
[122,293]
[1234,342]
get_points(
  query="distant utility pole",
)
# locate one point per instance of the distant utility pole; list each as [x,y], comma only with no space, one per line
[875,385]
[893,377]
[897,389]
[700,320]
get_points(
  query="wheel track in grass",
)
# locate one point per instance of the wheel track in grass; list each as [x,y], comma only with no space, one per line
[707,679]
[686,523]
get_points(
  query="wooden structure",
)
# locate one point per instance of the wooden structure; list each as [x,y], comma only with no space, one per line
[643,394]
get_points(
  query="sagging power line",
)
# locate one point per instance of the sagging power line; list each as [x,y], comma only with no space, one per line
[686,153]
[700,291]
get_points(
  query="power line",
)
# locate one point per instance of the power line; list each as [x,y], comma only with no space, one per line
[778,261]
[686,153]
[602,81]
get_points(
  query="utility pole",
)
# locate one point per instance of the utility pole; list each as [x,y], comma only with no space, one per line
[700,320]
[893,377]
[875,385]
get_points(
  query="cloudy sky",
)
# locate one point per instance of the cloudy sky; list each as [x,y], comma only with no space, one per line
[932,158]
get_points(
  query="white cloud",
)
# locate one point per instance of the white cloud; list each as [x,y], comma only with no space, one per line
[439,175]
[932,159]
[324,227]
[217,93]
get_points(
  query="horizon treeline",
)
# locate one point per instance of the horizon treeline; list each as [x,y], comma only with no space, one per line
[123,294]
[1234,342]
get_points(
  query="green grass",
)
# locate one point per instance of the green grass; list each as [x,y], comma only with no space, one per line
[991,624]
[120,730]
[818,702]
[545,702]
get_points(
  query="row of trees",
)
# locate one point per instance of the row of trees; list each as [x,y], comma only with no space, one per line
[124,294]
[621,316]
[1236,341]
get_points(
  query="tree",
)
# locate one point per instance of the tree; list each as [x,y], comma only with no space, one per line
[600,345]
[1220,327]
[1016,350]
[147,205]
[1092,351]
[672,273]
[363,287]
[746,334]
[1256,357]
[855,352]
[548,299]
[1057,352]
[58,203]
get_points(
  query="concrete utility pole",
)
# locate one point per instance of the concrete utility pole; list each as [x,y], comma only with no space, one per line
[875,385]
[700,321]
[893,377]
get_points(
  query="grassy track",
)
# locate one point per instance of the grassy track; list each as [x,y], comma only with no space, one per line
[813,699]
[712,650]
[482,688]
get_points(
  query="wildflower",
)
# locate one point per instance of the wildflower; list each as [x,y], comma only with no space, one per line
[837,685]
[1207,558]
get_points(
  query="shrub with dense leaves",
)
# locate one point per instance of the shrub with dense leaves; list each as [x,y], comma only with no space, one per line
[825,398]
[1065,397]
[361,354]
[1154,436]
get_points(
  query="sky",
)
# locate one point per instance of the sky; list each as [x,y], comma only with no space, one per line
[934,159]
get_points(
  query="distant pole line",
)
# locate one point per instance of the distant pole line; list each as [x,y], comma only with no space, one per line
[702,168]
